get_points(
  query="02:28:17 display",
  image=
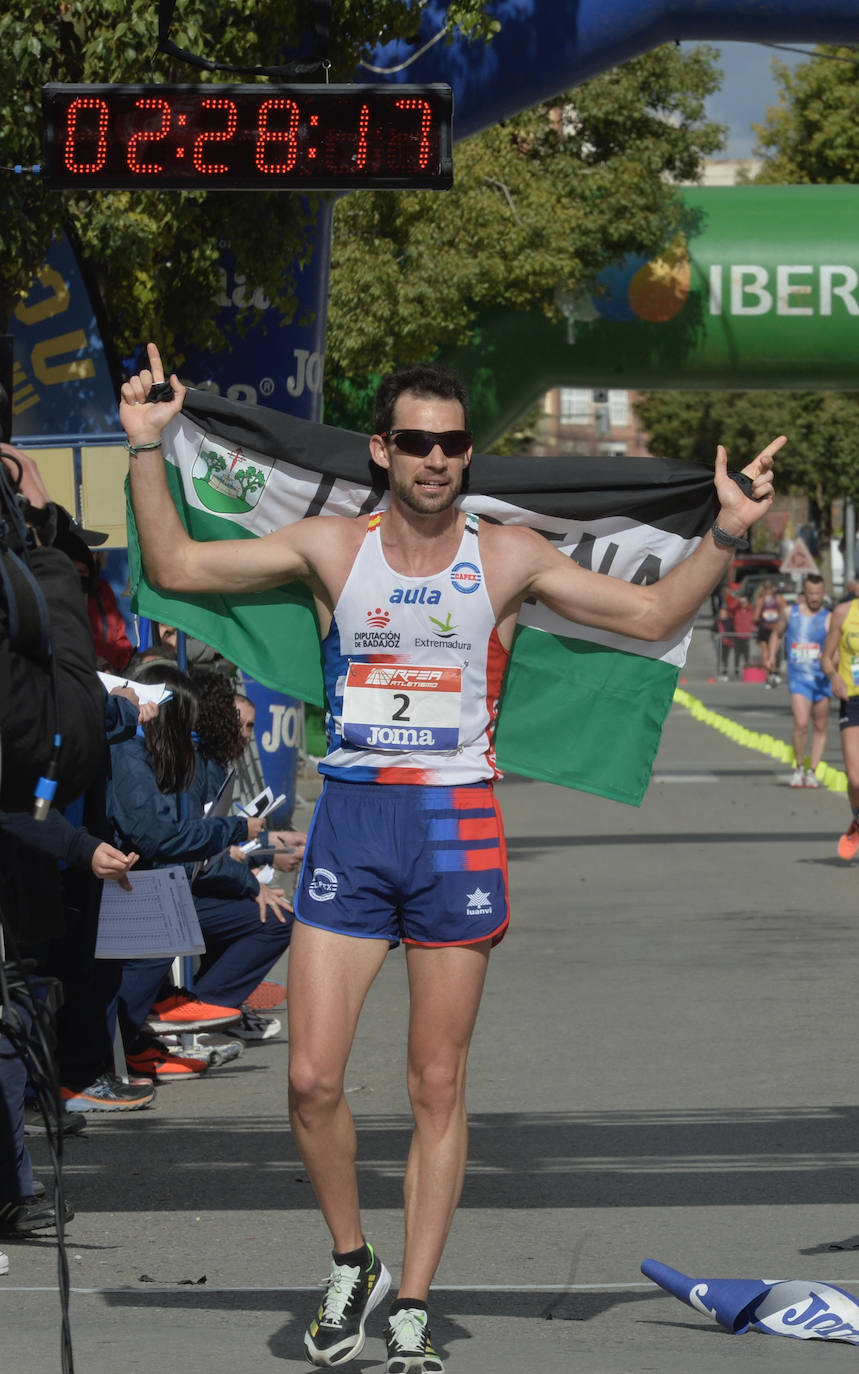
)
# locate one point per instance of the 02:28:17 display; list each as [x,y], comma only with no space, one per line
[251,137]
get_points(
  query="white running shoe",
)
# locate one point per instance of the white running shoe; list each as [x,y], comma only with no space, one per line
[810,779]
[336,1333]
[410,1349]
[798,778]
[255,1027]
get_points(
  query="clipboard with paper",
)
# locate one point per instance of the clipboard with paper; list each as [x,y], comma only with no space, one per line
[155,919]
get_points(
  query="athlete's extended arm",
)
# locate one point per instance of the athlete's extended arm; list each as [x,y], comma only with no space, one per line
[657,612]
[172,559]
[829,657]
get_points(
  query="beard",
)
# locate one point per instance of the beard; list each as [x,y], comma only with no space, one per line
[418,501]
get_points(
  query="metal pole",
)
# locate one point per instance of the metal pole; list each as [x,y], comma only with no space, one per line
[849,540]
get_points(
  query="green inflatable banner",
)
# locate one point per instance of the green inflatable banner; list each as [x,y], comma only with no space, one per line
[759,289]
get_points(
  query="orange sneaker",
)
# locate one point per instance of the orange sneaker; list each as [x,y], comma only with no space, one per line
[849,843]
[161,1066]
[266,996]
[181,1011]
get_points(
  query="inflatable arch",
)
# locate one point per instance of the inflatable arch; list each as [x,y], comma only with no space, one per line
[544,47]
[759,290]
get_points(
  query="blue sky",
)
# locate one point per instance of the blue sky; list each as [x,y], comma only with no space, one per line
[747,89]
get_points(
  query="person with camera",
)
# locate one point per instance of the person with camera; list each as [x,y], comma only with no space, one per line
[51,746]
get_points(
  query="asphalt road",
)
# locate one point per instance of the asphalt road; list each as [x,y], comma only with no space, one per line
[665,1065]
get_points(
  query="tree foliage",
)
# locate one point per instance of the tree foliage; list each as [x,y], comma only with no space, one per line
[821,457]
[155,255]
[541,203]
[809,136]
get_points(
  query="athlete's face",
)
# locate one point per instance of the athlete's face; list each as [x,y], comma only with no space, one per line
[431,484]
[814,593]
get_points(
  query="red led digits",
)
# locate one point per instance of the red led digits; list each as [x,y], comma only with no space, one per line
[85,135]
[147,136]
[265,135]
[229,136]
[363,126]
[426,125]
[215,135]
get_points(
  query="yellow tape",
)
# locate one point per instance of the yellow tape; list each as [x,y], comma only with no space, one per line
[832,778]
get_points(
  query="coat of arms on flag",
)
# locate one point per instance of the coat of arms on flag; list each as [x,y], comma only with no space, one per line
[225,480]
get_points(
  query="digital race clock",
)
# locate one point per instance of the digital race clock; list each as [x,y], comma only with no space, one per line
[259,137]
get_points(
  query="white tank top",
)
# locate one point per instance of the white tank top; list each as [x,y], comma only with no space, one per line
[413,671]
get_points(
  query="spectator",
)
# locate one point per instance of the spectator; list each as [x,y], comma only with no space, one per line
[247,717]
[722,629]
[198,654]
[224,729]
[23,1208]
[745,629]
[106,621]
[88,1016]
[51,725]
[246,925]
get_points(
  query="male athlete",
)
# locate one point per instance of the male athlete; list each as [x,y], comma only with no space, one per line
[840,662]
[804,627]
[417,608]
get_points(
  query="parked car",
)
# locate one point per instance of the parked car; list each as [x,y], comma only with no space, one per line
[748,565]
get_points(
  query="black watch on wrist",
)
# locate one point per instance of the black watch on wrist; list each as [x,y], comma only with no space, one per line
[729,541]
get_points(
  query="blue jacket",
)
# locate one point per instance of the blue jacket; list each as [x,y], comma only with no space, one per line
[150,821]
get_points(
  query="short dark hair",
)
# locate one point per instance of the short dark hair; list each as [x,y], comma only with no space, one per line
[813,577]
[422,379]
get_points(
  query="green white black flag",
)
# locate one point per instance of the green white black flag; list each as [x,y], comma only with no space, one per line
[579,707]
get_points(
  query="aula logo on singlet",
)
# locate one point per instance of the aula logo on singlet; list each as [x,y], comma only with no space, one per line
[465,577]
[415,596]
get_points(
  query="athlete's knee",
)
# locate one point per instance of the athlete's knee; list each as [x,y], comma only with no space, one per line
[314,1090]
[437,1089]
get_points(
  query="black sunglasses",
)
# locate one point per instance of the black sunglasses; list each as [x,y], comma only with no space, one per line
[419,443]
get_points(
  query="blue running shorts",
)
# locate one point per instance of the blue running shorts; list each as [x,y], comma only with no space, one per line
[393,861]
[816,687]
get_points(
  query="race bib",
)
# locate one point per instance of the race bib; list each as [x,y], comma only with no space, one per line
[854,669]
[804,653]
[402,708]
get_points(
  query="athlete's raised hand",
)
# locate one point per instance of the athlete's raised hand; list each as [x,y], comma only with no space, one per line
[739,512]
[143,420]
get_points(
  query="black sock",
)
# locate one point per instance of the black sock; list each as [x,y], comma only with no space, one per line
[354,1258]
[400,1304]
